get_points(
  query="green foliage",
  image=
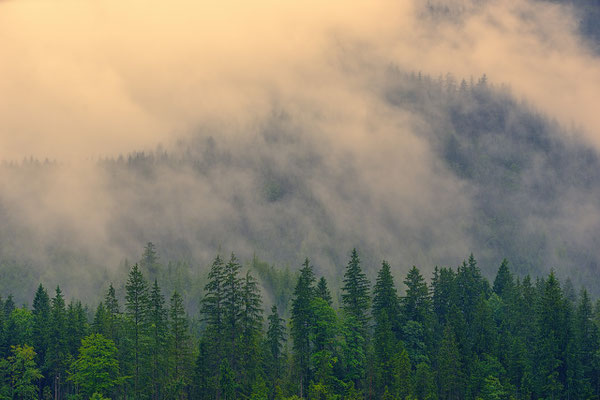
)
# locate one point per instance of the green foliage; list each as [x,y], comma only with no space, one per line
[23,373]
[461,341]
[96,369]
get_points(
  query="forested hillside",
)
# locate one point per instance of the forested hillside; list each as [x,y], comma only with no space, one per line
[489,173]
[457,336]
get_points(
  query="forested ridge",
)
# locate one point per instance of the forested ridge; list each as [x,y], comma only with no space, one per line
[457,336]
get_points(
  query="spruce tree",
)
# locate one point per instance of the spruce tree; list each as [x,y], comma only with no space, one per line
[450,376]
[323,292]
[387,327]
[41,330]
[58,346]
[180,346]
[417,303]
[302,323]
[137,309]
[158,341]
[251,322]
[355,292]
[274,341]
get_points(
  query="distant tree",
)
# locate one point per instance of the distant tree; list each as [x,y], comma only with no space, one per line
[149,261]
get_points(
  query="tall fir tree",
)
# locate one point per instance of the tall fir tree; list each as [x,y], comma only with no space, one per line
[180,346]
[274,341]
[302,323]
[41,331]
[158,339]
[137,310]
[58,346]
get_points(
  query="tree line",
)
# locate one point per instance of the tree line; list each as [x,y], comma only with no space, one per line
[456,337]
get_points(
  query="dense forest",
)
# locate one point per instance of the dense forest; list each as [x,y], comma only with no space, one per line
[456,337]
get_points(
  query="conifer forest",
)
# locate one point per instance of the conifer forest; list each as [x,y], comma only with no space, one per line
[454,336]
[300,200]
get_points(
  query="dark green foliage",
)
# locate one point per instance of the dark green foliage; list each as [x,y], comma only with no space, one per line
[137,311]
[302,324]
[275,340]
[322,291]
[180,347]
[355,292]
[462,340]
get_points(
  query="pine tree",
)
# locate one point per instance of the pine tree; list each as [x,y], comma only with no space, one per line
[251,322]
[157,321]
[323,292]
[504,282]
[301,324]
[77,326]
[58,346]
[136,307]
[274,342]
[449,367]
[356,304]
[387,327]
[41,330]
[551,339]
[149,261]
[586,343]
[416,304]
[212,351]
[180,346]
[355,292]
[232,308]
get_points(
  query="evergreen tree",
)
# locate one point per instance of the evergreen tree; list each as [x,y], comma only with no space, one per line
[58,347]
[41,330]
[232,309]
[180,345]
[301,324]
[551,340]
[355,292]
[356,304]
[251,322]
[157,321]
[416,304]
[323,292]
[386,329]
[212,350]
[137,309]
[274,342]
[77,326]
[504,282]
[449,367]
[149,261]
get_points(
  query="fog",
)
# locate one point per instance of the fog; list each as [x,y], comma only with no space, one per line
[275,116]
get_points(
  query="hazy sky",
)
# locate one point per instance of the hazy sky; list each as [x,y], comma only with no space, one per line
[81,79]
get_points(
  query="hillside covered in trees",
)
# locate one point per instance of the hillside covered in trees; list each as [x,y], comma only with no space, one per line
[470,167]
[457,336]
